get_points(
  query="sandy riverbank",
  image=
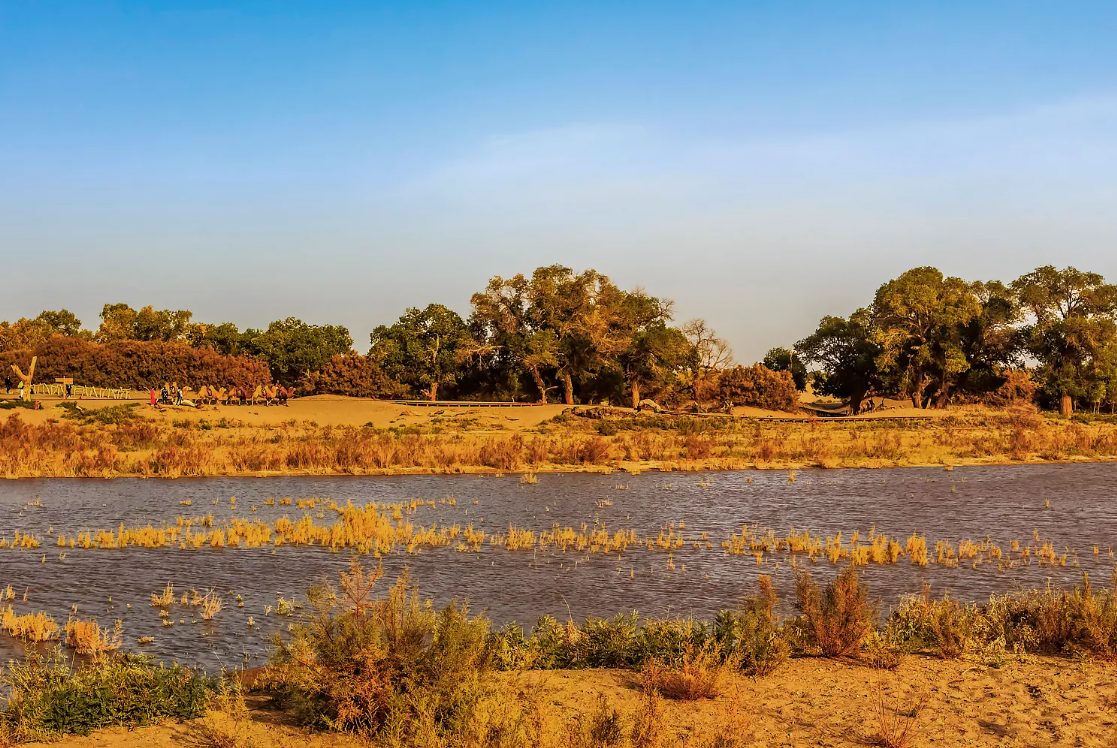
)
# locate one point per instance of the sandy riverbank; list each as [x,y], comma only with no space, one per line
[1042,701]
[326,435]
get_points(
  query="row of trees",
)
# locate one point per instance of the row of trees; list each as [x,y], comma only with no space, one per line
[578,337]
[934,339]
[291,347]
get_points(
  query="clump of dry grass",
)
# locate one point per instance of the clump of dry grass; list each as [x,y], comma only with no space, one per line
[894,726]
[649,726]
[603,728]
[211,605]
[31,627]
[165,599]
[698,674]
[87,638]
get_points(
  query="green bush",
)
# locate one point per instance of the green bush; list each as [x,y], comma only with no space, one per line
[48,697]
[380,667]
[605,642]
[944,627]
[1081,621]
[667,641]
[752,633]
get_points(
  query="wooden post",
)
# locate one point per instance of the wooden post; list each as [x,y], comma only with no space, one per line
[26,378]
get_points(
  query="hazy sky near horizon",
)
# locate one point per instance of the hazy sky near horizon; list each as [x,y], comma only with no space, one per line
[761,163]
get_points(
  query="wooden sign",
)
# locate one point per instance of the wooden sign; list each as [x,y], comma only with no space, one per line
[63,380]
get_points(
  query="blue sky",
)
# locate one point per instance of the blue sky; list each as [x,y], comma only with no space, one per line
[761,163]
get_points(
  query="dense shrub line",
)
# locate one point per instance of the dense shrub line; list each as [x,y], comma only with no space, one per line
[380,666]
[137,364]
[394,669]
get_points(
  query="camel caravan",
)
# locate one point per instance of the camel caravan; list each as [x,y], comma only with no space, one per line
[205,395]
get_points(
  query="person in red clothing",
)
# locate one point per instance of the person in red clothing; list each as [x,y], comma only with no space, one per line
[152,393]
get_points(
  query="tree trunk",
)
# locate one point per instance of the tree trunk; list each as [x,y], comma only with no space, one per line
[568,388]
[855,399]
[538,379]
[943,398]
[434,391]
[1066,405]
[917,389]
[635,395]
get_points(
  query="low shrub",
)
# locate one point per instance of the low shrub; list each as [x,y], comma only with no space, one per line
[380,667]
[353,375]
[48,697]
[759,387]
[838,619]
[944,627]
[1080,621]
[605,642]
[752,633]
[696,675]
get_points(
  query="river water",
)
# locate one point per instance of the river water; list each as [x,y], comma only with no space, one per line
[1074,507]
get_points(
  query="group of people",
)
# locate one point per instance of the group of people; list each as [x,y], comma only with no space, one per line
[169,395]
[18,385]
[172,394]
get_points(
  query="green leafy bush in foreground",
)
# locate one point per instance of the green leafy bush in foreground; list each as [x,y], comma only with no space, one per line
[48,697]
[391,668]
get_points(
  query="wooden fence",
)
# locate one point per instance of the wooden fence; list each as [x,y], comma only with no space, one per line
[81,390]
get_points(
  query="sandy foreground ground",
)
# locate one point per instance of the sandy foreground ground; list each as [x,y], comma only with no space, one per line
[807,702]
[336,410]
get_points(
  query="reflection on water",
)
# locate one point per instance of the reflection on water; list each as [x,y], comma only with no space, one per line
[1072,506]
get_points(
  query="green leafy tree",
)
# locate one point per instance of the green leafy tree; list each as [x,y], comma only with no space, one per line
[847,356]
[783,359]
[23,334]
[427,348]
[556,323]
[1104,390]
[649,352]
[577,314]
[122,322]
[225,338]
[916,319]
[990,340]
[292,347]
[62,322]
[1069,330]
[504,325]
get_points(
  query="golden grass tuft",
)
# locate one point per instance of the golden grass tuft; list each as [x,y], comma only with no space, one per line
[32,627]
[894,726]
[698,674]
[87,638]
